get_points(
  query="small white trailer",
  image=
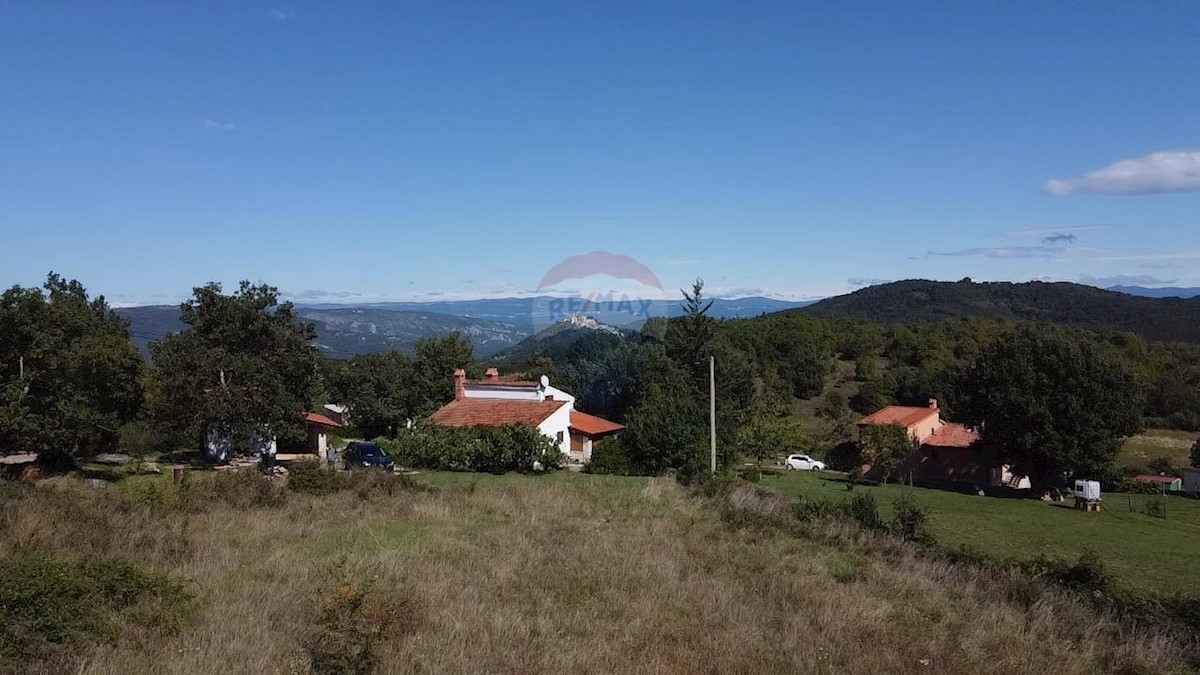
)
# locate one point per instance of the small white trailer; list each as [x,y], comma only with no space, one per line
[1087,495]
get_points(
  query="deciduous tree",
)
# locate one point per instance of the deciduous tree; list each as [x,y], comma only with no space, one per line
[69,375]
[1051,404]
[885,447]
[246,363]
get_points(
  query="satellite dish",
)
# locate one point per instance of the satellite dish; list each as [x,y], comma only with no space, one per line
[545,382]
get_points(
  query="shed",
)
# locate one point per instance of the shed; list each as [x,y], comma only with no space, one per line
[1168,483]
[318,429]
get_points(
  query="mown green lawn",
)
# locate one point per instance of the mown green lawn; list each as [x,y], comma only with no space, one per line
[1141,551]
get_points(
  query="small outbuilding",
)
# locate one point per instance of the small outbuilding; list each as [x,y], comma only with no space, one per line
[1191,482]
[318,432]
[1167,483]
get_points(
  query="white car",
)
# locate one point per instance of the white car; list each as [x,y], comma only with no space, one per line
[803,463]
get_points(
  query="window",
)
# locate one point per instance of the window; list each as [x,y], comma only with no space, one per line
[560,437]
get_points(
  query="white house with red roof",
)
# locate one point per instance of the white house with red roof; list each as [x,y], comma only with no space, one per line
[943,451]
[496,402]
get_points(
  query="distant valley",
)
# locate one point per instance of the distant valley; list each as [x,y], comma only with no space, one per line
[491,325]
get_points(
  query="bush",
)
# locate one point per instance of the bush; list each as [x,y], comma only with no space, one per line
[48,604]
[816,509]
[911,520]
[310,478]
[353,621]
[515,447]
[139,439]
[863,509]
[1085,574]
[246,489]
[609,457]
[719,485]
[751,473]
[1155,508]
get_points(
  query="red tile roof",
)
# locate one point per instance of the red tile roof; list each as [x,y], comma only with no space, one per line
[494,412]
[953,436]
[590,425]
[1150,478]
[319,420]
[905,416]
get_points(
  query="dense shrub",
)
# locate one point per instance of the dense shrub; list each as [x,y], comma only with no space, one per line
[353,622]
[48,604]
[910,520]
[246,489]
[311,478]
[609,457]
[816,509]
[1155,508]
[1085,574]
[863,509]
[750,473]
[516,447]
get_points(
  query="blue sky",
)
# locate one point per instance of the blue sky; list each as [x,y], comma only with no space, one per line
[398,150]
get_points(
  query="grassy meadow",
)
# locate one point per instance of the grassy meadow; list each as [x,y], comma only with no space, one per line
[547,574]
[1144,448]
[1144,552]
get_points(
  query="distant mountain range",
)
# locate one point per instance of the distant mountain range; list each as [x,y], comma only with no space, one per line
[1166,292]
[1167,319]
[491,325]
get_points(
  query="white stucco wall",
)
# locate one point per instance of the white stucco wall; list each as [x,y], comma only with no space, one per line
[925,428]
[559,421]
[559,395]
[494,391]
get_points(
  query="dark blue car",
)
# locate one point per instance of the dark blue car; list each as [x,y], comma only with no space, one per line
[363,455]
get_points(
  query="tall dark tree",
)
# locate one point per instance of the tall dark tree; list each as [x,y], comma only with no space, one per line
[246,363]
[384,391]
[433,372]
[376,388]
[666,427]
[687,339]
[1051,404]
[69,376]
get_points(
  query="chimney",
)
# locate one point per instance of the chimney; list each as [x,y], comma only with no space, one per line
[491,375]
[933,403]
[460,384]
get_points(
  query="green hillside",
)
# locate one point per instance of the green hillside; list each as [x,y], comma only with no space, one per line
[1165,319]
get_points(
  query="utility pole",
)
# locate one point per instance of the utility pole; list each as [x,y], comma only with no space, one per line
[21,367]
[712,412]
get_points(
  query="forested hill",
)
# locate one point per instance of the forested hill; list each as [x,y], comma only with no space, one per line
[1167,319]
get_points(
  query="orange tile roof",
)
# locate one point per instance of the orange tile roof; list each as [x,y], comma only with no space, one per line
[953,435]
[494,412]
[1150,478]
[590,425]
[905,416]
[319,420]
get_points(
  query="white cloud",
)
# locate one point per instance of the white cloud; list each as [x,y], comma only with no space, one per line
[1038,232]
[1167,171]
[859,282]
[280,14]
[210,125]
[1003,252]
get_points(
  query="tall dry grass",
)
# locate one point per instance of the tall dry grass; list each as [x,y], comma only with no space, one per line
[561,574]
